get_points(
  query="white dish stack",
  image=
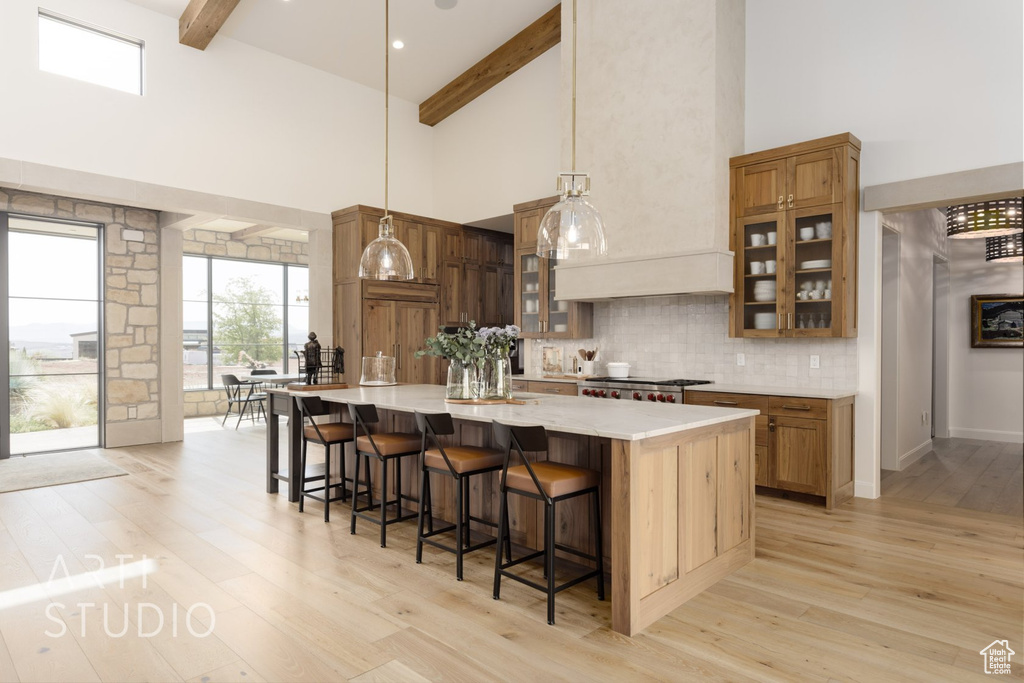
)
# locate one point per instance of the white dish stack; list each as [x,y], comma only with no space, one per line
[764,290]
[764,321]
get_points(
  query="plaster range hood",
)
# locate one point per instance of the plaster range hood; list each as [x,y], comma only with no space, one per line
[695,272]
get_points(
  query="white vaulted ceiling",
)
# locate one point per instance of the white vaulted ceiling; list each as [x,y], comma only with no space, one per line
[345,37]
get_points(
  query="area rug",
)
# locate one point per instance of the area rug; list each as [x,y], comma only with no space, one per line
[54,469]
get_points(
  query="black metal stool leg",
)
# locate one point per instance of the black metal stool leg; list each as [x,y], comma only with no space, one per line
[301,474]
[383,503]
[549,557]
[327,483]
[460,527]
[355,490]
[600,544]
[424,475]
[502,538]
[465,511]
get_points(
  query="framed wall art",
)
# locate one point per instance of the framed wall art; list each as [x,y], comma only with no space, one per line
[997,321]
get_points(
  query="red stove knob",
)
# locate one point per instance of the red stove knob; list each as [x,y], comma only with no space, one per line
[586,392]
[650,397]
[615,394]
[637,396]
[670,398]
[661,397]
[601,393]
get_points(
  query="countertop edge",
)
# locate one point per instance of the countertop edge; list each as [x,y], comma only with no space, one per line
[798,392]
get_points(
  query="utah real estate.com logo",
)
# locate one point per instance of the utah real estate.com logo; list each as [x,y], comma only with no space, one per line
[997,657]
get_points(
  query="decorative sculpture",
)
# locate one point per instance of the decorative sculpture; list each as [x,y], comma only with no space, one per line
[312,351]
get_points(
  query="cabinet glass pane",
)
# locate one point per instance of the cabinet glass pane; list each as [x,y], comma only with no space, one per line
[760,258]
[530,294]
[558,311]
[812,272]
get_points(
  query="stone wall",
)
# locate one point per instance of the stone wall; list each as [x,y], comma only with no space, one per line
[202,402]
[256,248]
[131,292]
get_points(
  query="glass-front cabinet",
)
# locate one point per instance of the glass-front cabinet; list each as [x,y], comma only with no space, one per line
[538,313]
[794,244]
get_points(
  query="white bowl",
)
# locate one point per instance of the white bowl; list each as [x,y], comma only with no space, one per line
[806,234]
[618,370]
[764,321]
[823,230]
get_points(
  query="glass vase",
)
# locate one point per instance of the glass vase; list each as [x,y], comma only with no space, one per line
[463,384]
[497,377]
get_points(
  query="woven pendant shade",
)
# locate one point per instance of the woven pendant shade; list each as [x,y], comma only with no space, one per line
[985,219]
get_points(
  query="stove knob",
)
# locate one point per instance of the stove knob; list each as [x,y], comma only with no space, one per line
[637,396]
[661,397]
[650,397]
[586,392]
[601,393]
[670,398]
[615,394]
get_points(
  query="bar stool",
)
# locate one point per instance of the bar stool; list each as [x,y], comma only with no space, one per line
[460,463]
[327,434]
[550,482]
[385,447]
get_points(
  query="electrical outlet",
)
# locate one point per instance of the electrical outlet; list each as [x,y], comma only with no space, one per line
[133,412]
[924,417]
[815,362]
[741,359]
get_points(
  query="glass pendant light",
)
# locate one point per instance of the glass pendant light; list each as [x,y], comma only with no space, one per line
[386,258]
[573,224]
[985,219]
[1005,249]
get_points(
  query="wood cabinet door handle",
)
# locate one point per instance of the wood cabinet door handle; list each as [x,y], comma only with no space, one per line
[791,201]
[780,202]
[786,407]
[726,403]
[771,426]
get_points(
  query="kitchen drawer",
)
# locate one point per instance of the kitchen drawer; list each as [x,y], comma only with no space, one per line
[761,430]
[520,385]
[560,388]
[816,408]
[724,400]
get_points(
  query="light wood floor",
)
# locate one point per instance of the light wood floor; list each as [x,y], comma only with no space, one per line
[878,590]
[987,476]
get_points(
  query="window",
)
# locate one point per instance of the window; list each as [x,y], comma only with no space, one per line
[257,317]
[76,50]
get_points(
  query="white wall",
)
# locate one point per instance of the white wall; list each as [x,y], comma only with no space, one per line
[502,148]
[922,237]
[929,86]
[986,385]
[233,120]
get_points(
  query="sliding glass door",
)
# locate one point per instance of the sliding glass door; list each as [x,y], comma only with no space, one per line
[52,325]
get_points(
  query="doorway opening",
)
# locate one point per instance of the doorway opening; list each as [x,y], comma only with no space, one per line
[890,454]
[51,322]
[940,348]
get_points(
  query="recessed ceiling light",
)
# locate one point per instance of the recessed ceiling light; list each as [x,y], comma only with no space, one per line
[398,45]
[445,4]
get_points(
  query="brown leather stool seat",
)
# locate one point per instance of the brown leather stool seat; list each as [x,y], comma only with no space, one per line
[332,432]
[384,447]
[327,434]
[388,444]
[556,479]
[549,482]
[460,463]
[464,459]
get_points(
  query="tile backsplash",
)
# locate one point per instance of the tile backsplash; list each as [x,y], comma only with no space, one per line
[687,336]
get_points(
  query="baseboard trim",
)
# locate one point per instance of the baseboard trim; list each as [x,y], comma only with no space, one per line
[986,435]
[865,489]
[910,457]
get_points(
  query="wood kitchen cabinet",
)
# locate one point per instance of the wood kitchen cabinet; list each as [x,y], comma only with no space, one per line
[801,444]
[473,280]
[537,313]
[396,325]
[794,214]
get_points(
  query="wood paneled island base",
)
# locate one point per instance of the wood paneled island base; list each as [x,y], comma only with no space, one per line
[678,485]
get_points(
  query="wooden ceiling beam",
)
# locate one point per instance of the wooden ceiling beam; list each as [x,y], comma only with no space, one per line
[201,20]
[520,50]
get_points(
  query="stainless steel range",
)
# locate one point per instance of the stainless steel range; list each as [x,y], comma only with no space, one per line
[637,388]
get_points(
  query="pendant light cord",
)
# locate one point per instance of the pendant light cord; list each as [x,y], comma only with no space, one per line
[573,86]
[387,84]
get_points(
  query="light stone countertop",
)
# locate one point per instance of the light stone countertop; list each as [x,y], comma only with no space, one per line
[774,391]
[570,414]
[542,378]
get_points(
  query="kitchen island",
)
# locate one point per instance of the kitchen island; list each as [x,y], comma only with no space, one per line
[678,485]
